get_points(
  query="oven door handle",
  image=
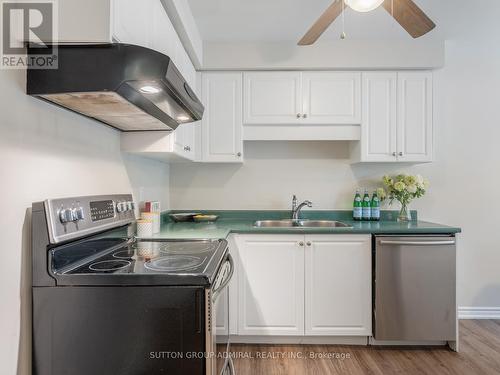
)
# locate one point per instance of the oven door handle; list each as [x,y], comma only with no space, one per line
[227,279]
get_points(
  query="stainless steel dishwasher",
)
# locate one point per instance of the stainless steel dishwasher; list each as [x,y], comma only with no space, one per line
[415,288]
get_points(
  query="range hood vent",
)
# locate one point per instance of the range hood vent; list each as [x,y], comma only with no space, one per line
[128,87]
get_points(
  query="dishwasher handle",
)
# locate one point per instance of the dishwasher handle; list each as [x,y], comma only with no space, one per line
[418,243]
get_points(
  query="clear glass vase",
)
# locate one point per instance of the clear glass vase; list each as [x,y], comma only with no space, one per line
[404,213]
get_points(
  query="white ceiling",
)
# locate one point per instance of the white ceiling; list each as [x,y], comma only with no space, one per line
[288,20]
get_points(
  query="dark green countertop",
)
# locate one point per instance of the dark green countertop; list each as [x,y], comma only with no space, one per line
[243,222]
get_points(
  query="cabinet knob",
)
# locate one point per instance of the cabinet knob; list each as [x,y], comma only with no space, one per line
[308,243]
[187,148]
[238,154]
[400,154]
[394,154]
[301,243]
[299,115]
[304,115]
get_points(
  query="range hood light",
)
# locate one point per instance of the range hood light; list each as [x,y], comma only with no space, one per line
[183,118]
[149,89]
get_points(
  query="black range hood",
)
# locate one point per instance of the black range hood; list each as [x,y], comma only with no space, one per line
[128,87]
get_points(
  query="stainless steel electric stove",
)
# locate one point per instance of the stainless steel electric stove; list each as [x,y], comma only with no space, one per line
[105,302]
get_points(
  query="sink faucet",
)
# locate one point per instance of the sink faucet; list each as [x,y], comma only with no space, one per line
[297,208]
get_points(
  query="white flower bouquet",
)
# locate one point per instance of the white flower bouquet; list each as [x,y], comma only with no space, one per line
[403,188]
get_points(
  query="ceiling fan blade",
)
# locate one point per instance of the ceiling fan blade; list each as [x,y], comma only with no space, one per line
[319,27]
[410,17]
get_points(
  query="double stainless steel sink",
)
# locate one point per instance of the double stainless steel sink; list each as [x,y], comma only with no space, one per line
[300,224]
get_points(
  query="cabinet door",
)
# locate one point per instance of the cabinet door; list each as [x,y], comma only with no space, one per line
[378,130]
[272,98]
[164,36]
[186,67]
[184,142]
[221,319]
[415,116]
[331,98]
[132,21]
[180,137]
[221,124]
[338,285]
[270,285]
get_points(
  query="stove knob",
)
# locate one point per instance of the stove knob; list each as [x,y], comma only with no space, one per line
[66,215]
[78,213]
[120,207]
[129,206]
[132,205]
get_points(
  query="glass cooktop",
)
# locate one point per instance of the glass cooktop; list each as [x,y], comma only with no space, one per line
[148,257]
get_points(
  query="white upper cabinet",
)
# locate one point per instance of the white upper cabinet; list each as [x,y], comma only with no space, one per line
[221,125]
[146,23]
[184,141]
[415,116]
[295,98]
[378,131]
[331,98]
[397,118]
[270,285]
[132,21]
[272,97]
[338,285]
[165,37]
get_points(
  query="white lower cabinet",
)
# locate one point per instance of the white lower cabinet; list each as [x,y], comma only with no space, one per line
[296,285]
[221,320]
[338,285]
[270,285]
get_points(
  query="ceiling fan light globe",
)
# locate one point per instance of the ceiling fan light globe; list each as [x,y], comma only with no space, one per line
[363,5]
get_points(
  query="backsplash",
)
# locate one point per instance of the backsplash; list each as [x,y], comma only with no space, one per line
[321,172]
[346,215]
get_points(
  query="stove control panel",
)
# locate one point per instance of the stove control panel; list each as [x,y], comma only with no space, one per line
[101,210]
[71,218]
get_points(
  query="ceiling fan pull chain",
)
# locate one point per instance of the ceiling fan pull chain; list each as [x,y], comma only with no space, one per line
[343,35]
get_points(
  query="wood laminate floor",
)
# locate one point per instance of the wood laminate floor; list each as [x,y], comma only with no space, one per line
[479,354]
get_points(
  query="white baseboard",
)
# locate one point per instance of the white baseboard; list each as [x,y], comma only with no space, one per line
[302,340]
[479,313]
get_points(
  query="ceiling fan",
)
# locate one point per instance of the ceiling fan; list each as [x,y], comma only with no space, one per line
[405,12]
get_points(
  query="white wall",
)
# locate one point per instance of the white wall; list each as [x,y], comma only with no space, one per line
[465,176]
[49,152]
